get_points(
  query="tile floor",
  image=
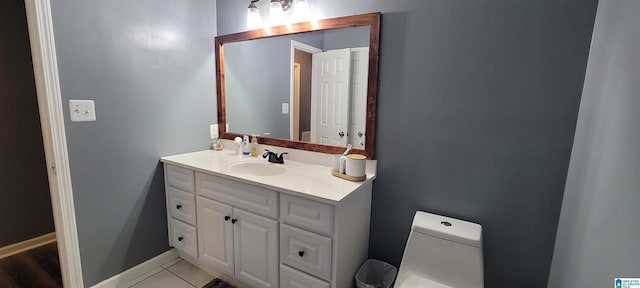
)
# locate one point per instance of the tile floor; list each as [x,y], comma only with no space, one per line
[174,274]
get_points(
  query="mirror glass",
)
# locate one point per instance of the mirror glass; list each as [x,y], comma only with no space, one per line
[309,87]
[303,86]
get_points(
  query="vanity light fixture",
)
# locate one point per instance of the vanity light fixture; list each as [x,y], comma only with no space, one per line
[254,20]
[277,16]
[276,12]
[301,10]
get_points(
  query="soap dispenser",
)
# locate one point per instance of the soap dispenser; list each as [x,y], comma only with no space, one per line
[254,146]
[245,145]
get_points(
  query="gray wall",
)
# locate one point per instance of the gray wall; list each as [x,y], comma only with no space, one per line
[346,38]
[257,78]
[598,231]
[25,204]
[149,66]
[477,109]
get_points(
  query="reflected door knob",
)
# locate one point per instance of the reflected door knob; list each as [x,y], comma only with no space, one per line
[180,238]
[360,134]
[226,218]
[341,134]
[234,220]
[179,206]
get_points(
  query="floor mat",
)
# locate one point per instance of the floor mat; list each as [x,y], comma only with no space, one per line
[217,283]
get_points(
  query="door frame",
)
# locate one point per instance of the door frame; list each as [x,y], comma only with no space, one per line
[47,80]
[358,98]
[295,109]
[295,45]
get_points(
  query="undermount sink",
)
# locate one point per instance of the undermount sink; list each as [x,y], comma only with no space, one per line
[257,168]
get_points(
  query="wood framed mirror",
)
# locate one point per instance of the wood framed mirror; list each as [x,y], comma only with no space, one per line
[261,91]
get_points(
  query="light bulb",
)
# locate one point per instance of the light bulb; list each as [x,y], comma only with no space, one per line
[254,20]
[276,15]
[301,10]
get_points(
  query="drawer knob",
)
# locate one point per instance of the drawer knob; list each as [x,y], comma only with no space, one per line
[234,220]
[226,218]
[179,206]
[301,253]
[180,238]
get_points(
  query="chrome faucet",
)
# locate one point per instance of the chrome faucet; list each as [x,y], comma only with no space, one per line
[273,157]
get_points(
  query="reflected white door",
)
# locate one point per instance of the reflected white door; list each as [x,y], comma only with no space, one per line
[330,97]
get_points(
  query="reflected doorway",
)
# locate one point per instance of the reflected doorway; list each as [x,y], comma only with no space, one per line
[301,81]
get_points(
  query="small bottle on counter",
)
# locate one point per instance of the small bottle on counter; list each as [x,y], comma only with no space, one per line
[254,146]
[245,145]
[217,145]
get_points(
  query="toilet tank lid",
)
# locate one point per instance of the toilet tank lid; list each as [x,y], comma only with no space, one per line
[463,232]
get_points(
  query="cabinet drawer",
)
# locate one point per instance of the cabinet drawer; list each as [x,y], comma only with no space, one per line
[248,197]
[305,251]
[184,238]
[181,178]
[182,205]
[308,214]
[292,278]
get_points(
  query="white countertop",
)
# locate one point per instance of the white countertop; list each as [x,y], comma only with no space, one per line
[299,179]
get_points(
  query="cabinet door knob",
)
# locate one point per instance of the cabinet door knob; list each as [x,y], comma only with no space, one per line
[179,206]
[226,218]
[234,220]
[301,253]
[180,238]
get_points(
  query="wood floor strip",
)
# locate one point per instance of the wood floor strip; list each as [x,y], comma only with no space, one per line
[26,245]
[39,267]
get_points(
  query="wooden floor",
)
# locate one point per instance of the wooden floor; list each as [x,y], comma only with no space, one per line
[36,268]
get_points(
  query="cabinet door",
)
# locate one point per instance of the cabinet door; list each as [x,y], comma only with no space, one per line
[215,234]
[256,249]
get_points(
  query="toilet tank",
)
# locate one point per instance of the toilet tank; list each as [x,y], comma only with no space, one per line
[444,252]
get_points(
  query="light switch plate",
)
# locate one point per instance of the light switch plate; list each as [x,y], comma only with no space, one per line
[82,110]
[285,108]
[213,130]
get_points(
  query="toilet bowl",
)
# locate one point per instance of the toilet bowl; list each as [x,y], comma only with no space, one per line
[442,252]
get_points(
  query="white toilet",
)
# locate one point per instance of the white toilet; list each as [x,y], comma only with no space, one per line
[442,252]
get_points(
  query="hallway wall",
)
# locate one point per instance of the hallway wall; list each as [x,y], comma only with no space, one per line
[25,203]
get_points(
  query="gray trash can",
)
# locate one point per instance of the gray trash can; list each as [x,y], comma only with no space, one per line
[375,274]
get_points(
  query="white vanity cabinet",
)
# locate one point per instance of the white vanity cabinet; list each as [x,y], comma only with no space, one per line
[238,242]
[323,245]
[267,234]
[181,210]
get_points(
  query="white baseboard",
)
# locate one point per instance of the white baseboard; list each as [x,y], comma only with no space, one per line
[28,244]
[133,275]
